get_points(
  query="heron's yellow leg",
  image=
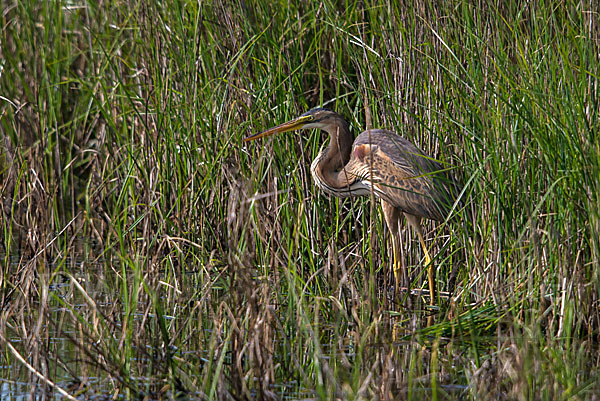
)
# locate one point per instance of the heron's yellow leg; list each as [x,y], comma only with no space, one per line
[392,218]
[397,263]
[430,271]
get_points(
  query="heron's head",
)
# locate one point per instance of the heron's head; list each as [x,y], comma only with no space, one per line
[315,118]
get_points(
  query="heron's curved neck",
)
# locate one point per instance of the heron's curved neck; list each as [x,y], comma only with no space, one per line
[329,164]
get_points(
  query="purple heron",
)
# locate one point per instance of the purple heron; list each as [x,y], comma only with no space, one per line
[404,178]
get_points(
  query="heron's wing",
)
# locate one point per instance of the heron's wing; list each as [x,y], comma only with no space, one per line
[401,173]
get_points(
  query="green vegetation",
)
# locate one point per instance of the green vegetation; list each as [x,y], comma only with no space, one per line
[147,252]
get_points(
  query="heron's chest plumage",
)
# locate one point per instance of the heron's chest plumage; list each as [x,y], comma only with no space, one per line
[318,169]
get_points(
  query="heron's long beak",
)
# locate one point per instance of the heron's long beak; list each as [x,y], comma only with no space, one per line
[292,125]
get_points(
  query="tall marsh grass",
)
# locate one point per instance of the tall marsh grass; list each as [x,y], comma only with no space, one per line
[172,259]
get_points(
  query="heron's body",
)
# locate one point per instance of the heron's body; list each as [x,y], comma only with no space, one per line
[394,169]
[382,163]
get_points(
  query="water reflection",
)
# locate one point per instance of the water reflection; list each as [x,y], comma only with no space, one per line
[104,333]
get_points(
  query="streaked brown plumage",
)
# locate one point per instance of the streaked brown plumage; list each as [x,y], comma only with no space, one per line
[383,163]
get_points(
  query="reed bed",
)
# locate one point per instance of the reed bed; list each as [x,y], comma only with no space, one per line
[148,253]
